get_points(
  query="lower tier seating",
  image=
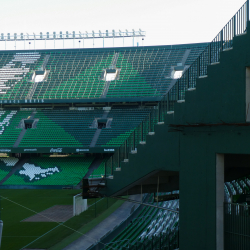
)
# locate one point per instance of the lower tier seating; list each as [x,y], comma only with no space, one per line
[51,171]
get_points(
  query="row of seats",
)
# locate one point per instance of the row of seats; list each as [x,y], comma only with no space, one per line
[51,171]
[69,128]
[76,74]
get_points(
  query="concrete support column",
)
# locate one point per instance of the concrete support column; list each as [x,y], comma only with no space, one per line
[219,201]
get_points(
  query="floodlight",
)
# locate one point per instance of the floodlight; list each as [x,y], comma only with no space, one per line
[8,36]
[86,33]
[47,34]
[27,35]
[21,35]
[139,31]
[133,31]
[120,32]
[15,36]
[107,33]
[41,35]
[100,33]
[2,36]
[80,33]
[61,34]
[93,33]
[34,35]
[126,32]
[67,34]
[73,34]
[113,32]
[54,34]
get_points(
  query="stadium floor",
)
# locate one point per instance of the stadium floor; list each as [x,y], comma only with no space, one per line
[17,205]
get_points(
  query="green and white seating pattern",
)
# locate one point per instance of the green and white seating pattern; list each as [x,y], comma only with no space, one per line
[63,171]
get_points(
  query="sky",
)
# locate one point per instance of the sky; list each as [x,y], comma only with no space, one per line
[166,22]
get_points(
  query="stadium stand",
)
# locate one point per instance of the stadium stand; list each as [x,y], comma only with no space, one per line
[78,74]
[51,171]
[68,128]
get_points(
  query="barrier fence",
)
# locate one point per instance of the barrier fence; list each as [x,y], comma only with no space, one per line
[236,226]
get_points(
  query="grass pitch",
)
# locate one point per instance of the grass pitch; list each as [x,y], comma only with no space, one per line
[20,204]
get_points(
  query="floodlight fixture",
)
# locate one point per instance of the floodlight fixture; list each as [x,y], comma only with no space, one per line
[21,35]
[100,33]
[61,36]
[139,31]
[126,32]
[41,35]
[27,35]
[2,36]
[107,33]
[67,34]
[120,32]
[54,34]
[8,36]
[93,33]
[15,36]
[34,35]
[80,33]
[47,34]
[73,34]
[86,34]
[133,31]
[113,32]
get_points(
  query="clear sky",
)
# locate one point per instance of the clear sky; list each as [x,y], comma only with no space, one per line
[165,21]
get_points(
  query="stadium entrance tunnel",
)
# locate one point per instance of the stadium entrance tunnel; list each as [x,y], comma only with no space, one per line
[110,74]
[28,123]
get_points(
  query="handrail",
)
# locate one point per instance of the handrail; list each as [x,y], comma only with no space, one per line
[224,40]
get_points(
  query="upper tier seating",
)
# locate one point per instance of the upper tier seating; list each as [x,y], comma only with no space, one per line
[77,74]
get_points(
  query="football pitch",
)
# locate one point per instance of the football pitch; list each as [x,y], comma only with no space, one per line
[20,231]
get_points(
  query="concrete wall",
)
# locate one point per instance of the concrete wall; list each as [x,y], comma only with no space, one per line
[215,109]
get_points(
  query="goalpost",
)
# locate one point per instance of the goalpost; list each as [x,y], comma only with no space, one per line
[79,204]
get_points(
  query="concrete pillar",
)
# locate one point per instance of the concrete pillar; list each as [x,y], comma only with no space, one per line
[219,201]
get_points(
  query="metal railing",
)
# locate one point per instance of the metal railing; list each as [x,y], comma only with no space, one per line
[236,226]
[223,41]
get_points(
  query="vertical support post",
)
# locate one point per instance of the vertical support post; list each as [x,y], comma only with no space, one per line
[221,40]
[198,66]
[234,25]
[209,53]
[219,201]
[134,140]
